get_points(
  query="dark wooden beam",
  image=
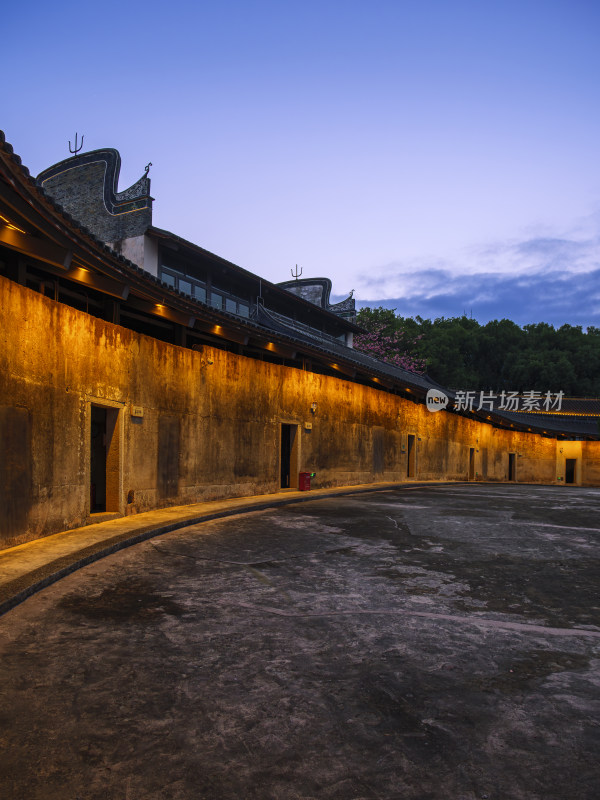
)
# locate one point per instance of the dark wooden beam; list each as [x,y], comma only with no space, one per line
[99,282]
[283,350]
[161,310]
[350,372]
[39,249]
[222,331]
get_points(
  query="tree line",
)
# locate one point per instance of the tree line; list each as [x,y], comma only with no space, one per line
[460,353]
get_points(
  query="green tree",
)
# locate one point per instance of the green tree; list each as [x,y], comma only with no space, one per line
[462,354]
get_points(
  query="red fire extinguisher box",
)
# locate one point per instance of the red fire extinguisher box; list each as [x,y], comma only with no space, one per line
[304,481]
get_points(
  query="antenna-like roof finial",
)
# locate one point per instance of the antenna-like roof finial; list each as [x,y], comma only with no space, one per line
[77,149]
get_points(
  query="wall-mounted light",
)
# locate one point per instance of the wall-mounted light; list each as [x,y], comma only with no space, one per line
[313,408]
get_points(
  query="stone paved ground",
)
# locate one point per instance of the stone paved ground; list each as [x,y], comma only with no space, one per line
[434,643]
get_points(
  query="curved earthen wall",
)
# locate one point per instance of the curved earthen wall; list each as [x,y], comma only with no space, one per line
[182,429]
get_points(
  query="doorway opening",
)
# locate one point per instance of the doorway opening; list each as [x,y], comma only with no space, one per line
[570,465]
[411,460]
[104,459]
[471,463]
[289,457]
[512,463]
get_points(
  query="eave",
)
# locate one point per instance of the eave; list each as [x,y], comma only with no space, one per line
[33,225]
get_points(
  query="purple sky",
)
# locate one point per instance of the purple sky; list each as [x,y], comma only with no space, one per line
[438,157]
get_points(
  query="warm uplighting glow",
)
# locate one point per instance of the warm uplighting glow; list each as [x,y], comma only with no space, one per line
[81,274]
[10,225]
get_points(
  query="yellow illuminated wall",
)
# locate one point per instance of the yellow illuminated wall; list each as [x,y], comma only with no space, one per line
[195,426]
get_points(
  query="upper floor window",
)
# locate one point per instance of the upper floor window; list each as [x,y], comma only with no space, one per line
[197,289]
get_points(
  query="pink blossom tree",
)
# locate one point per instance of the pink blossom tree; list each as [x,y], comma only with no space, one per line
[392,347]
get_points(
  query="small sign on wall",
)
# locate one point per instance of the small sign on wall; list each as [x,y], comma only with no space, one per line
[137,411]
[308,426]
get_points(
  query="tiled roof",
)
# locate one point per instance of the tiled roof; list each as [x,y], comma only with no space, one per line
[265,321]
[332,348]
[574,406]
[272,287]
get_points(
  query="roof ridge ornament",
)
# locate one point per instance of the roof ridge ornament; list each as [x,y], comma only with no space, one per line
[296,274]
[77,149]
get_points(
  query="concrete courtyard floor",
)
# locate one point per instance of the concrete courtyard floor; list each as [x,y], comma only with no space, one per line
[429,643]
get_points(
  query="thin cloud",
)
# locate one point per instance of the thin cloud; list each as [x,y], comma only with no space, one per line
[541,278]
[541,297]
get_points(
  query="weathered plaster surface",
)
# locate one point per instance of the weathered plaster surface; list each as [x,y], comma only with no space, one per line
[211,430]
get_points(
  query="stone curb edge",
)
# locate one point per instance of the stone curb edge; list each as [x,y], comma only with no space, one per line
[17,591]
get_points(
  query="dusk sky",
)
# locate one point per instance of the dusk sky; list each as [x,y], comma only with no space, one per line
[437,157]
